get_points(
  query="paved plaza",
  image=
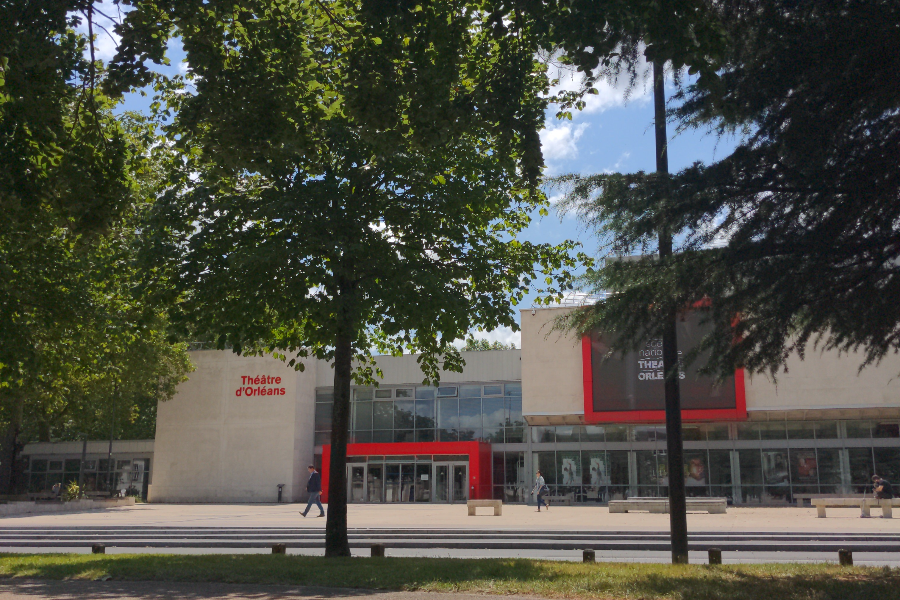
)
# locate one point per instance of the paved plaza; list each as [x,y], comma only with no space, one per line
[454,516]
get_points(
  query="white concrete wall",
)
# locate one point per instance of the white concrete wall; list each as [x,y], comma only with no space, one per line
[213,445]
[488,365]
[552,380]
[826,380]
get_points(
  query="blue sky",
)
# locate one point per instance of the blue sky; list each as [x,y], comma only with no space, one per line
[614,133]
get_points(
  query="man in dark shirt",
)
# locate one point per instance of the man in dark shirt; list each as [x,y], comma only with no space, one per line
[314,487]
[883,489]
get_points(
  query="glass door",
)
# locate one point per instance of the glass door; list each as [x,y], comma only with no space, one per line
[356,483]
[451,482]
[441,483]
[375,483]
[460,483]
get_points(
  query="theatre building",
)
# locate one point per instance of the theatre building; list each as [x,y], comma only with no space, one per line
[244,427]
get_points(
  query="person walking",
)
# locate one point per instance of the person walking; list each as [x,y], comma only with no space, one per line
[314,487]
[541,489]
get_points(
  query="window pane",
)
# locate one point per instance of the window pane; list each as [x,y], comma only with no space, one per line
[747,431]
[771,431]
[323,416]
[720,467]
[513,389]
[693,433]
[363,393]
[403,393]
[776,475]
[38,465]
[403,435]
[515,468]
[361,437]
[858,429]
[324,396]
[73,465]
[382,437]
[448,391]
[861,469]
[469,414]
[751,467]
[494,412]
[362,416]
[383,414]
[448,435]
[644,433]
[515,435]
[470,391]
[514,406]
[616,433]
[716,432]
[493,390]
[804,467]
[56,465]
[425,414]
[800,430]
[618,467]
[829,462]
[696,471]
[887,463]
[827,430]
[497,462]
[448,414]
[546,464]
[425,393]
[404,414]
[568,468]
[886,430]
[383,393]
[592,433]
[323,438]
[567,433]
[543,435]
[646,468]
[469,435]
[424,435]
[493,435]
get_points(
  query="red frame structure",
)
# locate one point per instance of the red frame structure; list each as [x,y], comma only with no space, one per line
[479,454]
[739,412]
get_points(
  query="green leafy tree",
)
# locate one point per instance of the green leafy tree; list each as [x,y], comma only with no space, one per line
[64,178]
[608,39]
[477,345]
[795,231]
[351,178]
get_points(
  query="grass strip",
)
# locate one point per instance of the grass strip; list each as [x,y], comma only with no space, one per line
[552,579]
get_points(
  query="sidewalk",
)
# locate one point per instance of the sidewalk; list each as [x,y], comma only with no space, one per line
[418,516]
[143,590]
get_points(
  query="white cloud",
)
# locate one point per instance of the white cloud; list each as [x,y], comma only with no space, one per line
[610,94]
[559,141]
[620,162]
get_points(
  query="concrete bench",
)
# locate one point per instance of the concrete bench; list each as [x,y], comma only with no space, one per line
[799,498]
[661,505]
[865,505]
[497,505]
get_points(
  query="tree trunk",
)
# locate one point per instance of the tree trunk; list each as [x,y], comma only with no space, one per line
[671,367]
[11,446]
[336,542]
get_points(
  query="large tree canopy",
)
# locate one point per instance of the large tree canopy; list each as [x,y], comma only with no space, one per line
[350,177]
[803,217]
[71,176]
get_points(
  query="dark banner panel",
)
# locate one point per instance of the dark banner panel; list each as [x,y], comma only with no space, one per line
[635,382]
